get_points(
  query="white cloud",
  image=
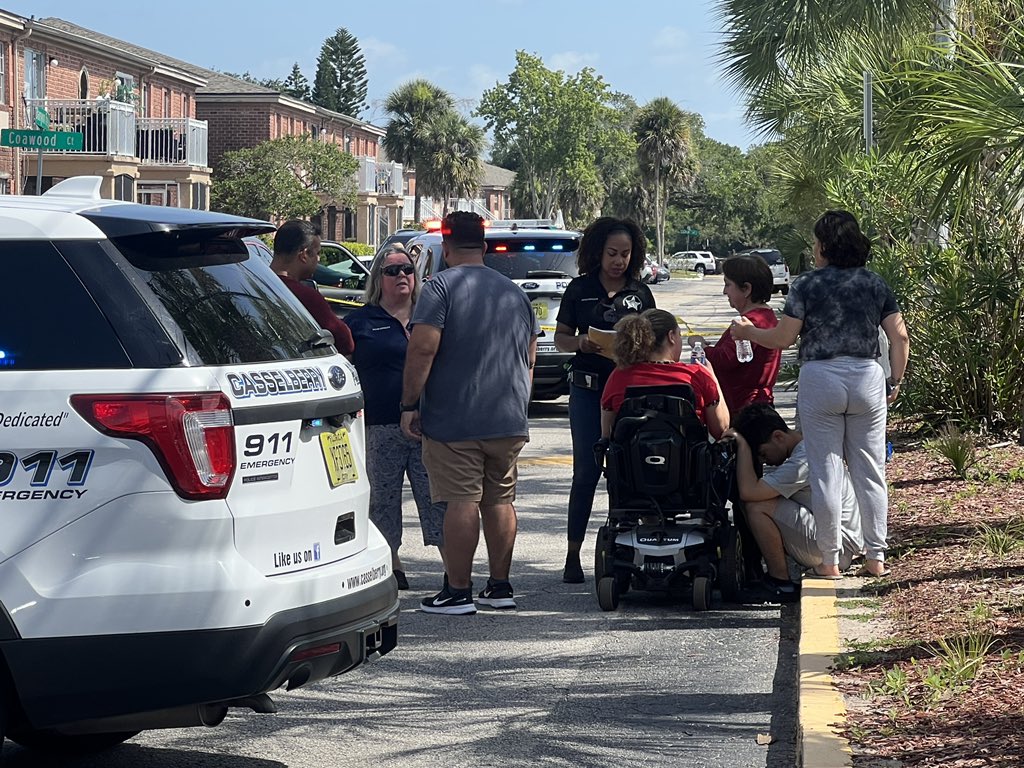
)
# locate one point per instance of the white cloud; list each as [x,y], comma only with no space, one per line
[571,62]
[670,39]
[381,52]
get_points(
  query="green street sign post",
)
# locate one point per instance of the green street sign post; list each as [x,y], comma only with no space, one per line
[691,232]
[43,141]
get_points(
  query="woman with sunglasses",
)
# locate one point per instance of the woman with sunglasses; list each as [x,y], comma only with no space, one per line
[609,261]
[381,327]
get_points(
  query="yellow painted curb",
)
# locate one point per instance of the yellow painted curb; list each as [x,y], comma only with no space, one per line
[821,705]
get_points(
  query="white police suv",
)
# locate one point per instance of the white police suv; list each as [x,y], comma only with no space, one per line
[540,259]
[183,499]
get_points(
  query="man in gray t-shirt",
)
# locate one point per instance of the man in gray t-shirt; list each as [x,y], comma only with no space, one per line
[777,506]
[466,389]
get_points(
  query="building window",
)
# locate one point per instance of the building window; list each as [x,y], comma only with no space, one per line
[83,84]
[5,186]
[199,194]
[35,74]
[167,102]
[186,105]
[124,188]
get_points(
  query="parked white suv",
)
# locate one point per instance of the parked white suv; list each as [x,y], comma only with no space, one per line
[777,264]
[183,494]
[701,262]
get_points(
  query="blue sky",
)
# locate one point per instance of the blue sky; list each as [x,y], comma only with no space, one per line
[646,48]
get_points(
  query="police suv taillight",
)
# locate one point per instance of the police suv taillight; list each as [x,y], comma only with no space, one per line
[191,435]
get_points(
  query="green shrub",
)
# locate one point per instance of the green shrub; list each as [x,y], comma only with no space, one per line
[360,249]
[957,448]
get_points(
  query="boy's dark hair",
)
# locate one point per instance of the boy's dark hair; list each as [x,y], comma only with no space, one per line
[756,422]
[753,270]
[463,229]
[588,258]
[293,236]
[842,242]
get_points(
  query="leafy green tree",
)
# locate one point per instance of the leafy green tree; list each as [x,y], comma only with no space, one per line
[549,128]
[341,82]
[290,177]
[665,153]
[411,106]
[453,145]
[296,84]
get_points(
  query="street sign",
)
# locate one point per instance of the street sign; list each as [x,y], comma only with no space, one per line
[691,232]
[42,119]
[46,141]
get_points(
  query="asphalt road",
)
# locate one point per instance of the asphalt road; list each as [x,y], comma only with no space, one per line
[557,682]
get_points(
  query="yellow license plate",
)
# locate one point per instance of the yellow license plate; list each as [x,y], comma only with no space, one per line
[540,308]
[341,466]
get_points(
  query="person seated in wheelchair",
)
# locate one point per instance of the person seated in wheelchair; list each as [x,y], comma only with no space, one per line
[777,506]
[647,350]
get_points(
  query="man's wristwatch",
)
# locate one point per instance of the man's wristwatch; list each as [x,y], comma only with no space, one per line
[893,382]
[402,407]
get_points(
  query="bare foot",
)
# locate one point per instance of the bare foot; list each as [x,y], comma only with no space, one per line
[875,567]
[827,572]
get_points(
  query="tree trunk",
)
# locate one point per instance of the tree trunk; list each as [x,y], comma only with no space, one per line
[416,206]
[659,231]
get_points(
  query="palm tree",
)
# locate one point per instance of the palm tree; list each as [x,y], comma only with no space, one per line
[665,153]
[411,105]
[451,165]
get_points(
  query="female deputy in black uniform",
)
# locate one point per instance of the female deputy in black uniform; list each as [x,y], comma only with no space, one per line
[610,258]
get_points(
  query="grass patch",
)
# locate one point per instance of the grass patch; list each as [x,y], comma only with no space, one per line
[1001,541]
[956,447]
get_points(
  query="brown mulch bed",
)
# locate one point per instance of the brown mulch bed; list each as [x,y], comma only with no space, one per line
[912,702]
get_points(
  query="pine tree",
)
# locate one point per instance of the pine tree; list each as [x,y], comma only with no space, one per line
[296,84]
[341,83]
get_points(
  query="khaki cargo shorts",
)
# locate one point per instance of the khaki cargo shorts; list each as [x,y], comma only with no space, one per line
[483,471]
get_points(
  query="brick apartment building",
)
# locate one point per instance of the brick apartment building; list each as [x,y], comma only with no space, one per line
[136,112]
[242,114]
[155,127]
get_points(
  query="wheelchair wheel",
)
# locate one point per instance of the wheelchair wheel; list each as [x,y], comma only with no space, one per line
[701,593]
[608,593]
[602,554]
[731,566]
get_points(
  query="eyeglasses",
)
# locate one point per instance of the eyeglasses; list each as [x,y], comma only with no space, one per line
[394,270]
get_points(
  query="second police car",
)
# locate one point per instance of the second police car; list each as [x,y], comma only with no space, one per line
[540,259]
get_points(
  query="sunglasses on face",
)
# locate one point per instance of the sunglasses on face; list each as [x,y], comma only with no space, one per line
[394,270]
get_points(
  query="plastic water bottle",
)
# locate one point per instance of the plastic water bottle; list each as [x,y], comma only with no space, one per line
[744,352]
[697,356]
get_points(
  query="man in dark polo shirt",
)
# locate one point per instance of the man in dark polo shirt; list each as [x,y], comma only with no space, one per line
[296,254]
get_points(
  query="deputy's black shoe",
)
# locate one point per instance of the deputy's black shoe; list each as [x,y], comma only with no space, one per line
[573,572]
[403,582]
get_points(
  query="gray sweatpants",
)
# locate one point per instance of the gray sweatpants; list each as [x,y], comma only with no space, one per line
[390,456]
[842,416]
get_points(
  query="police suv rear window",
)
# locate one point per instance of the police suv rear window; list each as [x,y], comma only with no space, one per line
[229,307]
[59,327]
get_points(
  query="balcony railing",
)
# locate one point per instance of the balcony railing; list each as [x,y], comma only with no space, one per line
[107,127]
[111,128]
[172,141]
[380,178]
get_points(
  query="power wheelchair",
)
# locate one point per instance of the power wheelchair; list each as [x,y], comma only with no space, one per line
[669,528]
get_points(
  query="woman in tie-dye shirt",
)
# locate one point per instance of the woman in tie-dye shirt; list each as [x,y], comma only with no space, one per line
[836,310]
